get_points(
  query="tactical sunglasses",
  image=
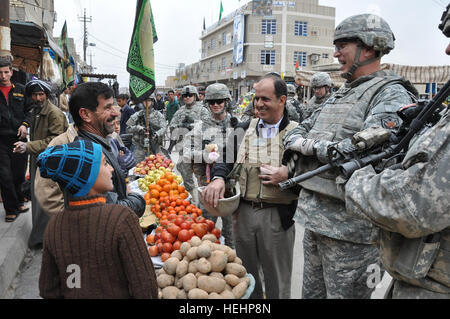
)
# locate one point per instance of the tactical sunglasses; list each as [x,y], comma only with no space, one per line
[188,95]
[212,102]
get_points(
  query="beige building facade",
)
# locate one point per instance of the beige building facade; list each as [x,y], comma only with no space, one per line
[294,31]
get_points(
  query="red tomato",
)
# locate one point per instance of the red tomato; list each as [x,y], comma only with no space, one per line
[176,245]
[165,256]
[210,224]
[158,231]
[153,251]
[191,232]
[164,223]
[151,239]
[159,246]
[172,217]
[200,219]
[167,237]
[174,230]
[200,229]
[167,248]
[179,220]
[184,235]
[216,232]
[184,225]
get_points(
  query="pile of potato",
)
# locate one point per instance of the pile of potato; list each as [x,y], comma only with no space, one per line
[202,269]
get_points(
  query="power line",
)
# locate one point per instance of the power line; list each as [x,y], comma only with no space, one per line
[105,43]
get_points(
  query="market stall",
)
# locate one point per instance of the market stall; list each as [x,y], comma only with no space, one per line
[186,248]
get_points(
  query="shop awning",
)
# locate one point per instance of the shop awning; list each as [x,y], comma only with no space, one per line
[29,34]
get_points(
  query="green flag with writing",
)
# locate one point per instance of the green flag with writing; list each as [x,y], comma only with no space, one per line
[66,65]
[140,63]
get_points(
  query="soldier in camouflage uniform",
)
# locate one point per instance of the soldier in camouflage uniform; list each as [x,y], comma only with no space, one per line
[212,131]
[411,207]
[337,243]
[292,105]
[183,122]
[321,84]
[136,125]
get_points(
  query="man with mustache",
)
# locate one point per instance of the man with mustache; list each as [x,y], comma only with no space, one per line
[47,122]
[92,109]
[262,225]
[337,243]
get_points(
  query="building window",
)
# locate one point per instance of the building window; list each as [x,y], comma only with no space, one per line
[301,57]
[325,55]
[211,66]
[224,39]
[224,63]
[301,28]
[268,57]
[269,26]
[213,43]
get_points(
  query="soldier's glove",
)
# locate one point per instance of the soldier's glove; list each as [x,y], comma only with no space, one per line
[127,160]
[302,145]
[234,121]
[140,128]
[290,158]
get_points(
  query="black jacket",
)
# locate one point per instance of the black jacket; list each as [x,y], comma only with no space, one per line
[286,212]
[119,196]
[15,113]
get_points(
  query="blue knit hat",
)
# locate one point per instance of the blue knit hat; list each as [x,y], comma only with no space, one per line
[74,166]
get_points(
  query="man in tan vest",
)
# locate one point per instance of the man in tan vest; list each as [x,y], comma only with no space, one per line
[262,224]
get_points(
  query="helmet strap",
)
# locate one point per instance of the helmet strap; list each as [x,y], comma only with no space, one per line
[357,63]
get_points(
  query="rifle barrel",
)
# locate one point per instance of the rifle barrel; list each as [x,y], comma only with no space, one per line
[303,177]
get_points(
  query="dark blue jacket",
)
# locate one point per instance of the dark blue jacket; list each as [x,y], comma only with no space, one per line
[126,113]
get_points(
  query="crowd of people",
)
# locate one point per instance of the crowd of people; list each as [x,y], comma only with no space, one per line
[81,151]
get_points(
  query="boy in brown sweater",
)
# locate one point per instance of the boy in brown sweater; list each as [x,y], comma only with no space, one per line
[91,249]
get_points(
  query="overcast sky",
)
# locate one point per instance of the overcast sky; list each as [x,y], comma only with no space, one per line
[179,25]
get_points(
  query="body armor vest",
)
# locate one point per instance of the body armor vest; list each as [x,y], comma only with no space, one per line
[255,151]
[341,117]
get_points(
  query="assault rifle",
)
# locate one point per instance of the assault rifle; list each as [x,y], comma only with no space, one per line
[372,146]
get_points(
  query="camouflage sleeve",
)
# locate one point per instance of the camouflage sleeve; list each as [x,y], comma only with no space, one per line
[385,106]
[301,130]
[382,114]
[413,202]
[162,123]
[132,126]
[176,120]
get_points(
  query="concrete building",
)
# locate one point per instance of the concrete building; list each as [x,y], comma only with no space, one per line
[40,12]
[293,31]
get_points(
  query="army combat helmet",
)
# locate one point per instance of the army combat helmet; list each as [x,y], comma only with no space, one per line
[369,30]
[444,26]
[321,79]
[217,91]
[189,89]
[291,89]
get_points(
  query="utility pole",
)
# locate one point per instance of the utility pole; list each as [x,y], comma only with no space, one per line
[5,30]
[90,56]
[84,19]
